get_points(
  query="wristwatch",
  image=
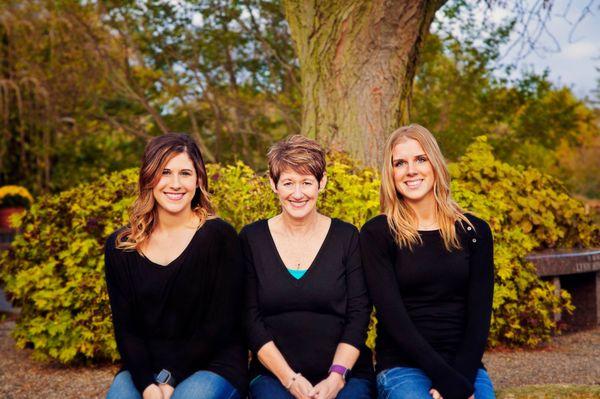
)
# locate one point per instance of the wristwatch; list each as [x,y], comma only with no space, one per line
[336,368]
[165,377]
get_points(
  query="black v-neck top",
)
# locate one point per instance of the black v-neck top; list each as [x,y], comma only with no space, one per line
[307,318]
[433,306]
[185,316]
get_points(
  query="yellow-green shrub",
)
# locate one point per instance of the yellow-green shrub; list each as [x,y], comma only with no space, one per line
[527,210]
[54,269]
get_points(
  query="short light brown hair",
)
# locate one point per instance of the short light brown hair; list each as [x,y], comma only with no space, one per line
[299,153]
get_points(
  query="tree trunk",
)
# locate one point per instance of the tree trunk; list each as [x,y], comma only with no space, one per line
[357,63]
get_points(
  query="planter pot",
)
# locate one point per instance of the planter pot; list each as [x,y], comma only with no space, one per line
[6,213]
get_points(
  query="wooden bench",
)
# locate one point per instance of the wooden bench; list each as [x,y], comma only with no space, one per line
[578,272]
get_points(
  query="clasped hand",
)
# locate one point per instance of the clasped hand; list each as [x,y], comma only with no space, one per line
[436,395]
[153,391]
[326,389]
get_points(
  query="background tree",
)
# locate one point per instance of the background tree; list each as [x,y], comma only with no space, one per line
[56,98]
[223,71]
[357,62]
[85,84]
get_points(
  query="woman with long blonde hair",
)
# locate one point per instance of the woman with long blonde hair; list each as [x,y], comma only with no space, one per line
[430,273]
[175,281]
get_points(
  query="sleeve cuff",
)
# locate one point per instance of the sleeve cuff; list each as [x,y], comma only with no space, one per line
[256,343]
[356,342]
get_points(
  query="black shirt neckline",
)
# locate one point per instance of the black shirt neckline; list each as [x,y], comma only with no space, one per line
[282,265]
[178,258]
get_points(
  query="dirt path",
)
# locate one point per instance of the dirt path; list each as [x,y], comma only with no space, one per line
[570,359]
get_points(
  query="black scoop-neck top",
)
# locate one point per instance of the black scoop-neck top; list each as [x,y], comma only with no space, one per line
[185,316]
[433,306]
[307,318]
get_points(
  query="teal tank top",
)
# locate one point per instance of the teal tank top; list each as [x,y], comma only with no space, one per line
[297,274]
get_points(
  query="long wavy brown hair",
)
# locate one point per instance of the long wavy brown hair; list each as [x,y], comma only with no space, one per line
[401,218]
[143,214]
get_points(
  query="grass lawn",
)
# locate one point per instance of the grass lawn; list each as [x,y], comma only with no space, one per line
[551,392]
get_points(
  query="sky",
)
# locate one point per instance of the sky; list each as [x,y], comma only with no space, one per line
[570,50]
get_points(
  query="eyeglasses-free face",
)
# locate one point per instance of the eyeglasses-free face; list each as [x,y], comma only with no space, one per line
[413,172]
[177,185]
[298,193]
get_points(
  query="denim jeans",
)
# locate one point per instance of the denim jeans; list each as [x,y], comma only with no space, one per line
[200,385]
[267,387]
[412,383]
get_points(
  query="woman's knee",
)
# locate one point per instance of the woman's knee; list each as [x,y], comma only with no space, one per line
[267,387]
[123,387]
[403,383]
[357,388]
[205,385]
[484,389]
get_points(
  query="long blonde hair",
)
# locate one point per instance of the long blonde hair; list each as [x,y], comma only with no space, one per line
[143,214]
[402,220]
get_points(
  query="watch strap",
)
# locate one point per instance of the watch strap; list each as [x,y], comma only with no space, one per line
[339,369]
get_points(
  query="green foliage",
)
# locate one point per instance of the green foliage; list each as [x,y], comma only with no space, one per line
[352,192]
[527,210]
[88,83]
[240,195]
[461,89]
[63,121]
[54,268]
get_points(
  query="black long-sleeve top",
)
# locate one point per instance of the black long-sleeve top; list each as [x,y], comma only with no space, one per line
[185,316]
[433,306]
[307,318]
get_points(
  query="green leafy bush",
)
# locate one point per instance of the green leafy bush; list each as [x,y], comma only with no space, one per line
[54,268]
[527,210]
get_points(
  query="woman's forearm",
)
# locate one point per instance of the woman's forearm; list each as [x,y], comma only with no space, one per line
[346,355]
[274,361]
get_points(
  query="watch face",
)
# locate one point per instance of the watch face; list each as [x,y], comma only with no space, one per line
[163,377]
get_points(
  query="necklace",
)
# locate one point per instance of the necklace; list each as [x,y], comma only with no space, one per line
[297,256]
[297,250]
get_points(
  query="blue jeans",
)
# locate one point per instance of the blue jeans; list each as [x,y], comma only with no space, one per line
[200,385]
[267,387]
[412,383]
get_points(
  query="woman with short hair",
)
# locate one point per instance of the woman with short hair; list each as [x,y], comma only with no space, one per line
[429,268]
[175,283]
[307,306]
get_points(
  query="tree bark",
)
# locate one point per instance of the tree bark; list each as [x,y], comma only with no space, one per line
[357,63]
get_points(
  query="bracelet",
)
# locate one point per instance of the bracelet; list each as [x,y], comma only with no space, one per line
[294,377]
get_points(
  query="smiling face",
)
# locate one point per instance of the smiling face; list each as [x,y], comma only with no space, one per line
[177,185]
[298,193]
[413,173]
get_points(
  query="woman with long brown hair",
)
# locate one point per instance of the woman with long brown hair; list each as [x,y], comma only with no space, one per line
[430,273]
[175,281]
